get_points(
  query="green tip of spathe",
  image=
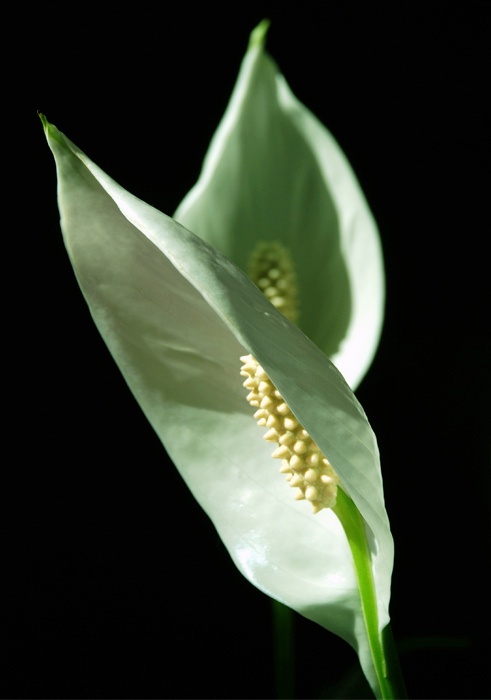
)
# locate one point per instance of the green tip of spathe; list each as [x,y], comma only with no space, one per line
[258,35]
[44,120]
[50,130]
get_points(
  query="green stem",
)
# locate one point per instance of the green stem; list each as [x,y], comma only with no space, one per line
[284,662]
[382,646]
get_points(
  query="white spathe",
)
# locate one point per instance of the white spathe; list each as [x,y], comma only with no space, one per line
[176,316]
[273,172]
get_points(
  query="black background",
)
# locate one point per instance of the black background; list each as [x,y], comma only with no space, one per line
[115,582]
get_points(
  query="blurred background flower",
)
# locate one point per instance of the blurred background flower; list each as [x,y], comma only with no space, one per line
[277,191]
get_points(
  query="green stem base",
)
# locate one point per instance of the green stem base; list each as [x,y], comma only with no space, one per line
[284,652]
[384,655]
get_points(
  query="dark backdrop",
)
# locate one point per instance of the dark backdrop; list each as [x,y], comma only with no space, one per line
[115,582]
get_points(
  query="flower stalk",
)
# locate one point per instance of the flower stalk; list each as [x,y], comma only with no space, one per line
[283,649]
[382,647]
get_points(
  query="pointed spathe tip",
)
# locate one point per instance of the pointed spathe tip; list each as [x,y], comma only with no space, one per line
[43,119]
[258,34]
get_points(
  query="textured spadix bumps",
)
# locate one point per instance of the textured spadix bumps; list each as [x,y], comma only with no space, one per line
[303,464]
[271,268]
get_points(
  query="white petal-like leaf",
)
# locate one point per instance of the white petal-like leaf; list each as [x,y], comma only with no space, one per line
[274,173]
[177,315]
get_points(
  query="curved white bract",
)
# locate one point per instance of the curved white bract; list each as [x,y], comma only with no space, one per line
[177,315]
[274,174]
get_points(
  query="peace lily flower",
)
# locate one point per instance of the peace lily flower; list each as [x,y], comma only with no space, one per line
[178,316]
[276,184]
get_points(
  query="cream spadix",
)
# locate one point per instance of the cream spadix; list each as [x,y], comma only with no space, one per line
[272,269]
[303,464]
